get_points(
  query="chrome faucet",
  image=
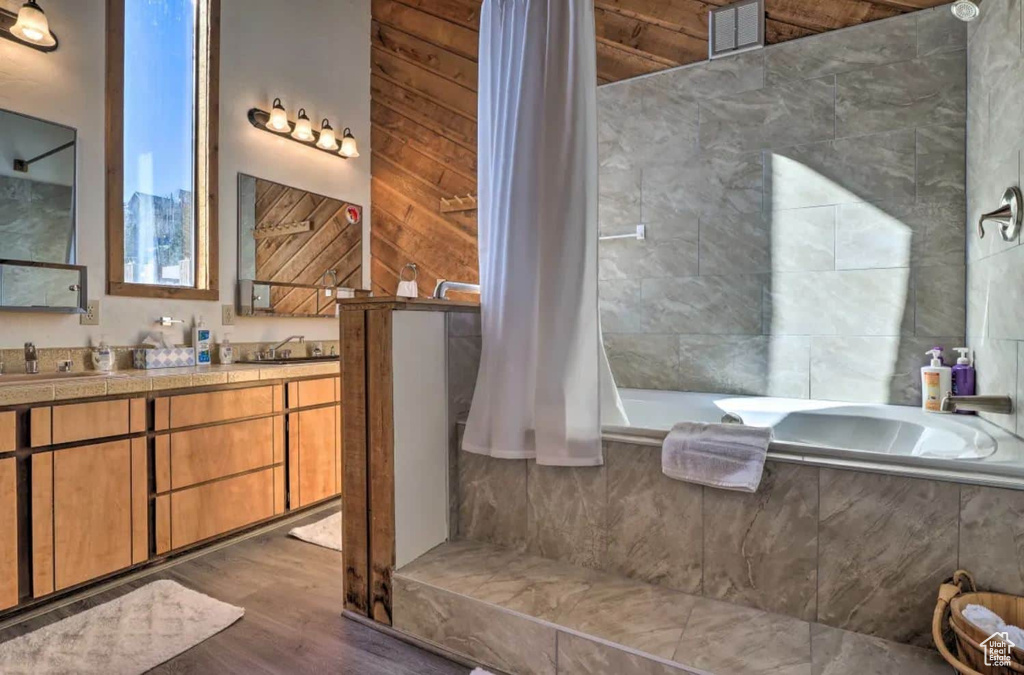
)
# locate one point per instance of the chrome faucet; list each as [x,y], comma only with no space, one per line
[272,352]
[992,404]
[443,286]
[31,359]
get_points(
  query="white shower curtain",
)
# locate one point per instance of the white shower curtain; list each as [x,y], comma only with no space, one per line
[543,371]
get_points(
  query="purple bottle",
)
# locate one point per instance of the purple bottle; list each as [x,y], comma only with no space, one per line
[963,376]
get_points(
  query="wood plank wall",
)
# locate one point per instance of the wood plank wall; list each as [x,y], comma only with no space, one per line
[423,114]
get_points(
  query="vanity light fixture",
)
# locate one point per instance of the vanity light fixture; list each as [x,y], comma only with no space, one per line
[303,128]
[302,131]
[29,27]
[327,141]
[349,149]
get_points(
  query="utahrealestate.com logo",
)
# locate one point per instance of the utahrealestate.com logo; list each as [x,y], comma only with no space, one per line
[998,648]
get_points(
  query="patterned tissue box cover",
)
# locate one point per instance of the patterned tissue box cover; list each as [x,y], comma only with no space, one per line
[177,357]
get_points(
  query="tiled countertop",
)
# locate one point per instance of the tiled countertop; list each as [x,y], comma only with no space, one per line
[53,387]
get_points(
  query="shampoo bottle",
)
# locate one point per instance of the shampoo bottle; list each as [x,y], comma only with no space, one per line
[201,342]
[936,382]
[963,377]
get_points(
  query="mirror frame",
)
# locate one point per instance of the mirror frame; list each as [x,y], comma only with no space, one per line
[83,288]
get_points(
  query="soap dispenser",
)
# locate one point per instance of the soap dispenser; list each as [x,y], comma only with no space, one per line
[936,382]
[201,342]
[103,356]
[963,377]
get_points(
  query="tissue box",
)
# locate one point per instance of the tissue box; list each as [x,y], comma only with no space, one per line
[176,357]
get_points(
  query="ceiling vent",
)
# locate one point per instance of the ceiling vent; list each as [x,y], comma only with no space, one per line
[738,27]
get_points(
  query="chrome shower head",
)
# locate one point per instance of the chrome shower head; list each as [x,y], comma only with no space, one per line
[965,10]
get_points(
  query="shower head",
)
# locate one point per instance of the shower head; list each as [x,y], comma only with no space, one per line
[965,10]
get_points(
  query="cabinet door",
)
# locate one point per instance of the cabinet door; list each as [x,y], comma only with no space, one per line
[313,455]
[8,533]
[92,521]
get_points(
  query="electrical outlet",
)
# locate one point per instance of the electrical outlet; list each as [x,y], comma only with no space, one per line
[92,314]
[227,315]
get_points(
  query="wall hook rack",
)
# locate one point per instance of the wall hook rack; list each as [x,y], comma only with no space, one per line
[457,203]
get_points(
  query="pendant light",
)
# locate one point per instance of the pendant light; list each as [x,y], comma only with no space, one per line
[279,118]
[326,140]
[349,149]
[303,127]
[33,28]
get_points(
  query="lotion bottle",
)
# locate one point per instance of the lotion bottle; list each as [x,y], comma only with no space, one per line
[936,382]
[963,377]
[201,342]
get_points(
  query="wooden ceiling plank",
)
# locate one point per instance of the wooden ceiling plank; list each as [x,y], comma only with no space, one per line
[425,140]
[671,48]
[431,173]
[465,13]
[445,34]
[437,60]
[411,76]
[455,127]
[684,16]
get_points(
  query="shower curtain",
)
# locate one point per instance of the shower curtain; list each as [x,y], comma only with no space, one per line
[543,372]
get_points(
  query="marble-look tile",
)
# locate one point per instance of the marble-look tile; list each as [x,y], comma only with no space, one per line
[464,324]
[876,168]
[735,244]
[843,51]
[621,306]
[1019,393]
[939,31]
[788,113]
[996,364]
[920,92]
[633,614]
[618,199]
[842,652]
[460,566]
[492,499]
[1005,271]
[643,361]
[463,364]
[726,638]
[803,240]
[992,537]
[711,184]
[760,550]
[536,587]
[870,236]
[942,164]
[707,79]
[939,294]
[708,305]
[483,632]
[850,302]
[566,513]
[885,544]
[739,364]
[580,656]
[654,522]
[618,108]
[666,125]
[632,259]
[871,369]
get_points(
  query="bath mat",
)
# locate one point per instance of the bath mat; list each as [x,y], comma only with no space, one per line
[325,532]
[126,636]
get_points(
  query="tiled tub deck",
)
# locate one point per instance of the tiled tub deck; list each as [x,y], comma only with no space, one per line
[528,615]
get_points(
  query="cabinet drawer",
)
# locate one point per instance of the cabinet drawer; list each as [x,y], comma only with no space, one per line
[8,534]
[8,428]
[201,455]
[313,392]
[82,422]
[208,510]
[218,406]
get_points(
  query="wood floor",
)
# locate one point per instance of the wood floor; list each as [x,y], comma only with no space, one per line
[291,592]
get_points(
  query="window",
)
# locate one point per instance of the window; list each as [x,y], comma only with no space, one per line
[161,148]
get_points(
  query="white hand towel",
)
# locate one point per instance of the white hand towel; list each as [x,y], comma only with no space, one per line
[728,456]
[408,289]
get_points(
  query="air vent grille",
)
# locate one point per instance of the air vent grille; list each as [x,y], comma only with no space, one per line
[735,28]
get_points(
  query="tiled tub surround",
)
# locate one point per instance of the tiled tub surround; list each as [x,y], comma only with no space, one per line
[995,161]
[525,614]
[805,210]
[855,550]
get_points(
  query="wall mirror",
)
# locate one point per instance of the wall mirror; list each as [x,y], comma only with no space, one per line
[37,216]
[295,249]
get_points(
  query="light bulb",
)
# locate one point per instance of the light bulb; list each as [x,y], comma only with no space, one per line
[278,118]
[32,26]
[303,127]
[348,145]
[326,141]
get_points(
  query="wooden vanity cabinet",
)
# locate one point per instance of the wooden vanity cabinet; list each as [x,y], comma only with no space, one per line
[8,533]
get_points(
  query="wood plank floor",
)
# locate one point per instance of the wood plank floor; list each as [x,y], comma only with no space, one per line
[291,592]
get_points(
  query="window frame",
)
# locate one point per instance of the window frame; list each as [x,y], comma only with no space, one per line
[205,153]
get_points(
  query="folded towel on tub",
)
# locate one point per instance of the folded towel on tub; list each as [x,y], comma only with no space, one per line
[728,456]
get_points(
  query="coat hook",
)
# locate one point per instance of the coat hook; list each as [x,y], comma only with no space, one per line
[1008,216]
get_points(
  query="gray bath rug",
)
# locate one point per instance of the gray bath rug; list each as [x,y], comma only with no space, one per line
[325,532]
[126,636]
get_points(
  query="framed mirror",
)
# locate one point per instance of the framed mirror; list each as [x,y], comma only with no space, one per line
[296,249]
[37,216]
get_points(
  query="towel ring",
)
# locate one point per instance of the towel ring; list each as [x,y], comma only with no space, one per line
[410,266]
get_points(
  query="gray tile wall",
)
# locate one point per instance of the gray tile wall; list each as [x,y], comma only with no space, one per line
[805,209]
[995,268]
[860,551]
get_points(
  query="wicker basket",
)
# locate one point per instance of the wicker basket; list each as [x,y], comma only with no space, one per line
[966,638]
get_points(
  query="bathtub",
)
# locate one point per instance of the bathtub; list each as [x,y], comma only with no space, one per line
[825,432]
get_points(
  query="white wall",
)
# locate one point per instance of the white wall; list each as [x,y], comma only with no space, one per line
[312,53]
